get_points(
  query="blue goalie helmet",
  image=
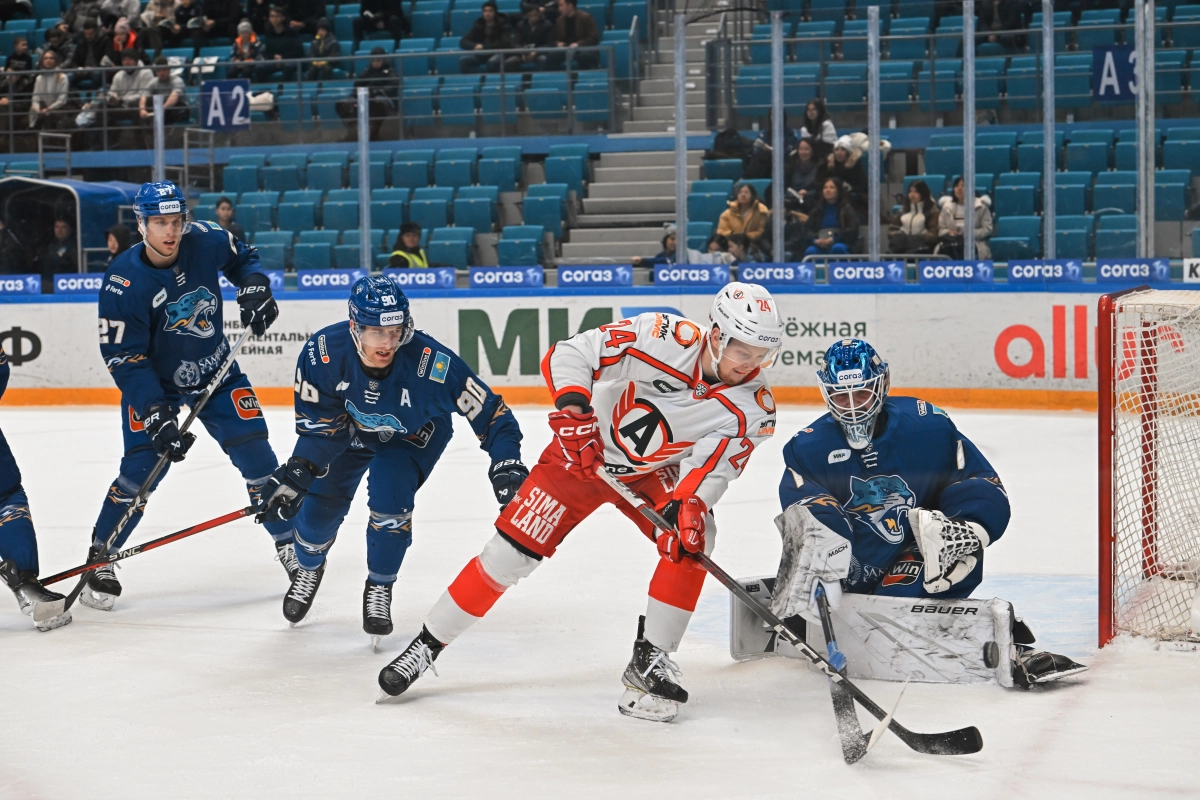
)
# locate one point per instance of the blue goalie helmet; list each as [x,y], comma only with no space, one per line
[377,301]
[854,382]
[158,198]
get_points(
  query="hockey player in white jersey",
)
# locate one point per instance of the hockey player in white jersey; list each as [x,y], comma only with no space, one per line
[675,410]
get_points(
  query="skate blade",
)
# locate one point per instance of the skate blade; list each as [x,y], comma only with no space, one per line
[1057,676]
[54,622]
[100,602]
[385,699]
[639,705]
[44,612]
[376,643]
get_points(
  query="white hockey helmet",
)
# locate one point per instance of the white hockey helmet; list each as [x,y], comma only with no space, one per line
[746,312]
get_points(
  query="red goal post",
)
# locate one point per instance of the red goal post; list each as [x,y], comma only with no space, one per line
[1148,347]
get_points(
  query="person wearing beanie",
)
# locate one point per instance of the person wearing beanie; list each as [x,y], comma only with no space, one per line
[325,47]
[383,86]
[124,37]
[247,49]
[846,165]
[407,250]
[281,42]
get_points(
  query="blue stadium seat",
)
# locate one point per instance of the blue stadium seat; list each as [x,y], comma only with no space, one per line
[845,86]
[1108,196]
[939,92]
[340,216]
[346,256]
[342,196]
[1170,201]
[943,160]
[429,24]
[388,213]
[325,176]
[724,168]
[895,85]
[410,174]
[450,252]
[300,216]
[353,237]
[248,160]
[282,178]
[377,170]
[397,194]
[306,255]
[492,110]
[255,216]
[591,99]
[520,245]
[1070,199]
[1088,156]
[238,179]
[1014,200]
[935,182]
[320,237]
[1116,236]
[1095,28]
[330,157]
[1182,35]
[453,173]
[434,193]
[1072,81]
[272,256]
[429,214]
[814,42]
[458,104]
[499,172]
[461,20]
[1184,153]
[568,170]
[900,44]
[1073,237]
[546,97]
[1017,237]
[477,213]
[413,66]
[993,158]
[283,237]
[707,206]
[544,211]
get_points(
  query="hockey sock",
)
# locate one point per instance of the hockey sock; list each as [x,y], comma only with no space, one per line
[388,539]
[674,590]
[477,588]
[120,495]
[17,541]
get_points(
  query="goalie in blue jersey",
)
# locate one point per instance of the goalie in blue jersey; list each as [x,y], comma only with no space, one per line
[884,496]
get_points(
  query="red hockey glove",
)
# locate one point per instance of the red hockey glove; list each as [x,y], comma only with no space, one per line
[688,516]
[577,446]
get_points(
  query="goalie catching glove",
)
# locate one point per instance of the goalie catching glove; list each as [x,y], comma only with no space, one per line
[950,547]
[688,518]
[812,554]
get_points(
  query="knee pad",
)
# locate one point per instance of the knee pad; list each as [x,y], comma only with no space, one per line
[312,548]
[124,489]
[504,563]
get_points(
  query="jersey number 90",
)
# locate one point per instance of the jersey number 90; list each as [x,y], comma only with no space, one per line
[471,401]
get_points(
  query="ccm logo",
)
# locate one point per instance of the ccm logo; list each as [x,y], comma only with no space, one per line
[582,430]
[245,402]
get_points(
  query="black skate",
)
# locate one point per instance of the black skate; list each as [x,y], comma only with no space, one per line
[303,591]
[419,656]
[377,611]
[47,608]
[285,553]
[652,689]
[102,588]
[1032,667]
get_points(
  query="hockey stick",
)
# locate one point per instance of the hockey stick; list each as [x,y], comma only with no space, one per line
[112,558]
[161,464]
[854,743]
[956,742]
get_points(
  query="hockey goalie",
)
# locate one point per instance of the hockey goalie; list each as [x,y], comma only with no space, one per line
[889,507]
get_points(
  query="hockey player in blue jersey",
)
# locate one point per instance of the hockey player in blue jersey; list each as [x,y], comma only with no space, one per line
[162,339]
[18,544]
[884,496]
[373,393]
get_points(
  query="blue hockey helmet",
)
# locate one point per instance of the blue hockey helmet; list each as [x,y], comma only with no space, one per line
[157,198]
[377,301]
[854,381]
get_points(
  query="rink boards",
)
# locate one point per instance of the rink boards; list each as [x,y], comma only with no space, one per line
[997,349]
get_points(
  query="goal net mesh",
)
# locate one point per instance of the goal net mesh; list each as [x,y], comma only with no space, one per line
[1156,463]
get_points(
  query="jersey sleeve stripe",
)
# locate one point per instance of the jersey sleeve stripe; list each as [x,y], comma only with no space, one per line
[691,483]
[654,362]
[737,412]
[546,375]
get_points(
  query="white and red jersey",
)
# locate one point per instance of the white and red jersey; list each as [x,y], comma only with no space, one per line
[643,377]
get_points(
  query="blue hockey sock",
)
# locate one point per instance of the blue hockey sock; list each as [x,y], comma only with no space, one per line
[388,539]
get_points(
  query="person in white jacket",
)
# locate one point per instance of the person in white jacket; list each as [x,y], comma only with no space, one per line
[952,219]
[51,90]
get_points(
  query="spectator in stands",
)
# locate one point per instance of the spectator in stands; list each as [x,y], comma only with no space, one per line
[742,249]
[157,15]
[952,219]
[221,18]
[302,15]
[1000,22]
[175,107]
[247,49]
[93,50]
[16,82]
[533,33]
[117,240]
[803,174]
[384,85]
[845,163]
[112,11]
[187,26]
[758,163]
[325,47]
[61,254]
[49,106]
[818,129]
[575,28]
[124,37]
[490,32]
[225,218]
[379,17]
[10,8]
[916,229]
[833,223]
[407,252]
[746,214]
[124,92]
[80,12]
[59,42]
[716,244]
[667,255]
[257,11]
[280,41]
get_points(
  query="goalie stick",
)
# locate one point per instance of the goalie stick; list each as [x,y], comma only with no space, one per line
[159,466]
[956,742]
[854,743]
[129,552]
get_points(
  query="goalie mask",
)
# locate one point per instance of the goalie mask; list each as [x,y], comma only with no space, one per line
[379,313]
[854,382]
[746,312]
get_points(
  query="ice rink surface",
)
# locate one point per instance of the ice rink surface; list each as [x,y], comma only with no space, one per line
[195,686]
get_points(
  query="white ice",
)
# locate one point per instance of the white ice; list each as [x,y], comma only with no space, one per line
[195,686]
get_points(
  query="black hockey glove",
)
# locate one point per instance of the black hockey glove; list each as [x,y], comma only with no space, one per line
[259,308]
[164,432]
[506,477]
[280,499]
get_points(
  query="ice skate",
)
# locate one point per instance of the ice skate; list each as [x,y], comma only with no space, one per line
[377,612]
[303,591]
[396,677]
[652,689]
[1032,667]
[102,588]
[285,553]
[36,601]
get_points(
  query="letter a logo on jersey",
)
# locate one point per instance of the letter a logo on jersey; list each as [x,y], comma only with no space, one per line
[641,430]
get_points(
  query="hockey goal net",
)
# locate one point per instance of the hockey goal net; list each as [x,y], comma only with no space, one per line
[1149,404]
